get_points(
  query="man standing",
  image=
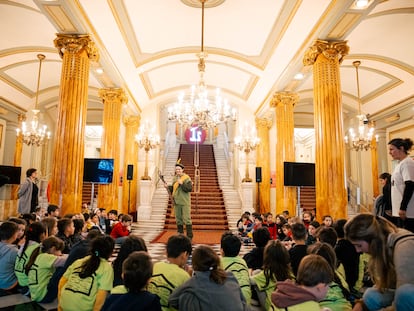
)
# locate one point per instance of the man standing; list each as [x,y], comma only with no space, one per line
[180,190]
[28,192]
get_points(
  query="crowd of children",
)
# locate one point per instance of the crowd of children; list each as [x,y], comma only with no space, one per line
[294,263]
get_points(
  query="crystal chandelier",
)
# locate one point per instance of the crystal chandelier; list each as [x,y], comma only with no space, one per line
[361,139]
[147,139]
[35,134]
[195,108]
[247,142]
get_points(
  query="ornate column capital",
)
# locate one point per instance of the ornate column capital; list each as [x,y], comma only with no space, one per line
[113,95]
[131,121]
[284,98]
[330,49]
[264,123]
[74,44]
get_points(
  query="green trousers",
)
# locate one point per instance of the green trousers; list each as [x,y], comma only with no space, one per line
[183,215]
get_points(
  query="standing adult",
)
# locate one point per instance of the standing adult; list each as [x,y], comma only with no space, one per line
[402,182]
[28,193]
[180,189]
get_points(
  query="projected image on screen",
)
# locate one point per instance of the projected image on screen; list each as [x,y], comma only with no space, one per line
[98,170]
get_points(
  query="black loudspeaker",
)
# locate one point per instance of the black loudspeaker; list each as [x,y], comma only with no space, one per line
[130,172]
[258,174]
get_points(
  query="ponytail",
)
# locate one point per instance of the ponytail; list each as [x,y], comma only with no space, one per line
[44,247]
[101,247]
[32,259]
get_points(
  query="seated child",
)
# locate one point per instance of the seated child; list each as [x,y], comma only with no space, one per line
[136,273]
[245,226]
[41,266]
[231,261]
[122,229]
[8,254]
[210,287]
[88,280]
[312,284]
[36,233]
[167,276]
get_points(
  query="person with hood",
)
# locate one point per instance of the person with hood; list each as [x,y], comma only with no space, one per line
[312,284]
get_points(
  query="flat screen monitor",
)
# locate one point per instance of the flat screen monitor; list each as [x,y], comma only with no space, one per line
[98,171]
[10,174]
[299,174]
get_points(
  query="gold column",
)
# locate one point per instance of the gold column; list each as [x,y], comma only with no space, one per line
[331,198]
[374,168]
[66,183]
[263,160]
[17,161]
[113,99]
[285,148]
[129,188]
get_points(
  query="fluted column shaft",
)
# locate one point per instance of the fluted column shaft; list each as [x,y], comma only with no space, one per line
[284,102]
[263,160]
[113,99]
[374,168]
[331,198]
[17,159]
[68,151]
[129,187]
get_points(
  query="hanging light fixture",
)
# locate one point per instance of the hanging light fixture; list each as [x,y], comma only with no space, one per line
[361,139]
[195,108]
[35,134]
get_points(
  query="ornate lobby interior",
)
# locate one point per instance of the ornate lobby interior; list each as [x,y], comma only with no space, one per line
[113,72]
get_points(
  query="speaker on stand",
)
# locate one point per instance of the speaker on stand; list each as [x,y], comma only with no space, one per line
[258,181]
[130,176]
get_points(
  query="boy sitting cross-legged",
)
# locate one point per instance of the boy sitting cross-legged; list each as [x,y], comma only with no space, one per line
[230,260]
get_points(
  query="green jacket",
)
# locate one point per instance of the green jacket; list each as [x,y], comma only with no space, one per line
[304,306]
[264,292]
[239,268]
[182,195]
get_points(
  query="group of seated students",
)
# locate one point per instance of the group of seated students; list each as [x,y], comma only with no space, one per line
[296,273]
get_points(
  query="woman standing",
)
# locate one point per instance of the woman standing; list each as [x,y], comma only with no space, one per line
[391,265]
[402,182]
[28,192]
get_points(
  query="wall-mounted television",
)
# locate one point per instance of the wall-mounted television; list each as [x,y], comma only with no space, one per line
[299,174]
[10,174]
[99,171]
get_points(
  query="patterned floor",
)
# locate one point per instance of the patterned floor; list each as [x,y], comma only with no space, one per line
[157,250]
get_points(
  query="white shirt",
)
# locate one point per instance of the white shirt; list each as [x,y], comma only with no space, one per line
[403,172]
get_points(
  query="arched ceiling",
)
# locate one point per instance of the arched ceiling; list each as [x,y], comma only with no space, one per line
[255,48]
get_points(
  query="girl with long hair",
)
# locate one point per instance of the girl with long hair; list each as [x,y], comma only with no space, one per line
[391,264]
[210,287]
[132,243]
[36,233]
[276,268]
[41,266]
[88,280]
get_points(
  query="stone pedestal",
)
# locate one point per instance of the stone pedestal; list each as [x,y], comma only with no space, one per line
[145,208]
[247,197]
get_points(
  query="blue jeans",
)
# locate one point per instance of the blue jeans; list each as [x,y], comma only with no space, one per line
[403,298]
[375,300]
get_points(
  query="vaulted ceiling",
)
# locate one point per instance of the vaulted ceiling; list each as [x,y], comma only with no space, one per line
[255,48]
